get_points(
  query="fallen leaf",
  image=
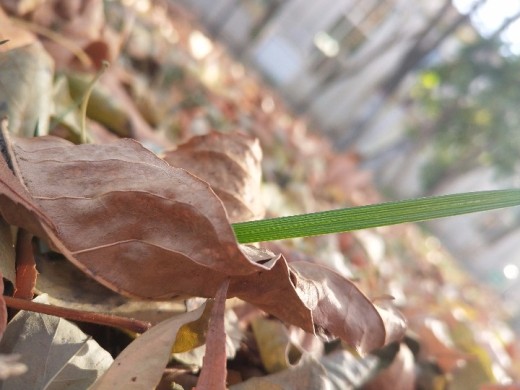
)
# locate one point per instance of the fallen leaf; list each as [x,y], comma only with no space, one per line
[3,309]
[338,371]
[16,203]
[7,254]
[141,364]
[213,373]
[151,214]
[120,213]
[26,89]
[55,351]
[341,309]
[230,163]
[308,374]
[194,335]
[273,343]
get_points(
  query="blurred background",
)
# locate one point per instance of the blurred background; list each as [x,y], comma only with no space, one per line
[426,93]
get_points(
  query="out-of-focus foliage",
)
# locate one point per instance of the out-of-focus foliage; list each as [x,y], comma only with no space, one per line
[468,110]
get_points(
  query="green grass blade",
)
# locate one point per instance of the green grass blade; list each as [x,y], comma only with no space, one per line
[382,214]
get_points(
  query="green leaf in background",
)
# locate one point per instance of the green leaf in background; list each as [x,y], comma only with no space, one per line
[382,214]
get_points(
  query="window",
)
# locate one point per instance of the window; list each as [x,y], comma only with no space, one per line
[350,30]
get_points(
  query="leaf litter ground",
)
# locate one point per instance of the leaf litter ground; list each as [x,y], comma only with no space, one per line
[108,207]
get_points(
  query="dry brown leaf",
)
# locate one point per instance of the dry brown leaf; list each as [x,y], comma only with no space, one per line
[7,253]
[341,309]
[213,372]
[3,309]
[119,208]
[230,163]
[146,229]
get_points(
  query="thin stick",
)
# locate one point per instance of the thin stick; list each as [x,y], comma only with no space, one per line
[85,98]
[77,315]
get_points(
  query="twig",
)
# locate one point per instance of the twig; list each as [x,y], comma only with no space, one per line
[85,98]
[130,324]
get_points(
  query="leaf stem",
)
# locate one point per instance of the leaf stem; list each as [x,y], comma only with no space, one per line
[382,214]
[130,324]
[85,99]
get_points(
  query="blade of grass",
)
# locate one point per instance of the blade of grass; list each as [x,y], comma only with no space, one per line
[382,214]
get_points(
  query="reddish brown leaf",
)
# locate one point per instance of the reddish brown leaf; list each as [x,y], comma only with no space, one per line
[213,372]
[16,203]
[26,273]
[231,165]
[339,308]
[278,291]
[146,229]
[3,309]
[120,211]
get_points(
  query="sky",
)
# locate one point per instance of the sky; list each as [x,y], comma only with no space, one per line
[491,15]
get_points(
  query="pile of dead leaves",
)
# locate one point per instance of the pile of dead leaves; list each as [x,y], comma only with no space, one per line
[126,242]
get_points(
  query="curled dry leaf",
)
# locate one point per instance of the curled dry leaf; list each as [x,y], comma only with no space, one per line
[146,229]
[340,308]
[3,309]
[231,165]
[121,214]
[213,372]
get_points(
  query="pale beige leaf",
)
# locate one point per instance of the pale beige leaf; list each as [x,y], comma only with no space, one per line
[141,364]
[26,89]
[54,350]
